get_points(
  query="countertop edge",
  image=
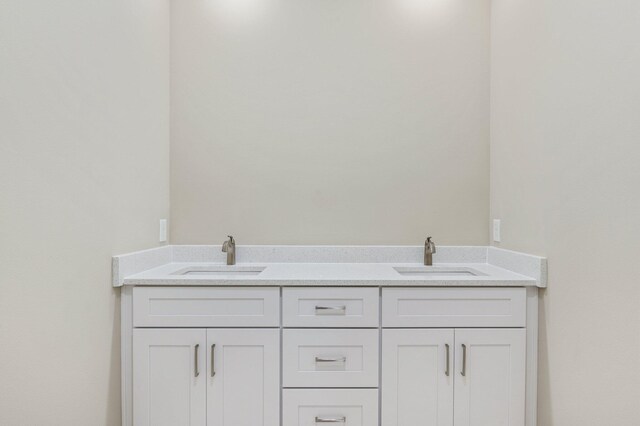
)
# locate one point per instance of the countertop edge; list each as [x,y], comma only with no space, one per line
[328,283]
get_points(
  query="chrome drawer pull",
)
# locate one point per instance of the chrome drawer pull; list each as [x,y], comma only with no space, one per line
[446,370]
[197,370]
[331,310]
[331,420]
[213,360]
[341,359]
[464,360]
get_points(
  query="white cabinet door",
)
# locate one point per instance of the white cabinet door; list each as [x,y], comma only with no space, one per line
[243,377]
[417,377]
[169,377]
[490,377]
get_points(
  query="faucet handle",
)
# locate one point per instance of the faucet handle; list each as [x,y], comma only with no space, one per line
[226,244]
[430,244]
[229,247]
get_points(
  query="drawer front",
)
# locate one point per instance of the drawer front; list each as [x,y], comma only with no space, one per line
[330,307]
[330,358]
[330,407]
[205,307]
[454,307]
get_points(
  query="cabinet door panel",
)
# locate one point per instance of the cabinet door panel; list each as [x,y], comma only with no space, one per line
[166,390]
[492,390]
[416,389]
[206,307]
[243,376]
[454,307]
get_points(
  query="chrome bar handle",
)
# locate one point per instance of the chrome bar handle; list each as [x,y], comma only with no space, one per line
[331,420]
[341,359]
[464,360]
[213,360]
[331,310]
[446,351]
[197,370]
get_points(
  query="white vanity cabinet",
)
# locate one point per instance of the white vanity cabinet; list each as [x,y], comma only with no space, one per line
[310,356]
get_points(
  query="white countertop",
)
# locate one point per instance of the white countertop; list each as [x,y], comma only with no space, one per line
[329,274]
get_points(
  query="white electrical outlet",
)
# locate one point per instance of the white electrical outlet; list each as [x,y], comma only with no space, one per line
[496,230]
[163,231]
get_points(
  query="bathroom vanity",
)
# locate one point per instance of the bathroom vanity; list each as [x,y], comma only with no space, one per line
[345,340]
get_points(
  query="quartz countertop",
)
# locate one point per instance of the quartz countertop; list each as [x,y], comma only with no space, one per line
[331,274]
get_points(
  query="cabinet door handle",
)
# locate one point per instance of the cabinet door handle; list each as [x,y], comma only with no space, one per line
[331,310]
[213,360]
[464,360]
[197,370]
[340,359]
[331,420]
[446,354]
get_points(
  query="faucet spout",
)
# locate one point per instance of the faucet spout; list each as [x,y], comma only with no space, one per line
[229,247]
[429,250]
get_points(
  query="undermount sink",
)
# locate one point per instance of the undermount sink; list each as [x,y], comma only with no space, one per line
[437,271]
[222,270]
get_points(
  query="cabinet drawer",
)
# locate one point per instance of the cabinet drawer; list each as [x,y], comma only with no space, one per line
[453,307]
[205,307]
[330,307]
[323,407]
[330,358]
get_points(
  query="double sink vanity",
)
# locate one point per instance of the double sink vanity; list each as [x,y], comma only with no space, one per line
[309,335]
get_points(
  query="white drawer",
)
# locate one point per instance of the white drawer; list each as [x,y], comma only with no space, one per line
[330,407]
[206,307]
[330,307]
[330,358]
[453,307]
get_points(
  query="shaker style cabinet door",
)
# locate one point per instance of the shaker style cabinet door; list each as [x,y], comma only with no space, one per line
[169,377]
[243,377]
[490,377]
[417,377]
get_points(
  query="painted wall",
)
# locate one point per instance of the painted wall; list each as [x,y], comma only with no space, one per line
[565,179]
[330,122]
[84,174]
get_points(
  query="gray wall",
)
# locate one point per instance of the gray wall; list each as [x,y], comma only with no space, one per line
[84,174]
[565,179]
[330,122]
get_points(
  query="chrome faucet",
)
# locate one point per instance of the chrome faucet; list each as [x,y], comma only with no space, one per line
[429,250]
[229,247]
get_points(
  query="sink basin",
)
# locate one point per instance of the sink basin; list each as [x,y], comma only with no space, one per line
[221,270]
[437,271]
